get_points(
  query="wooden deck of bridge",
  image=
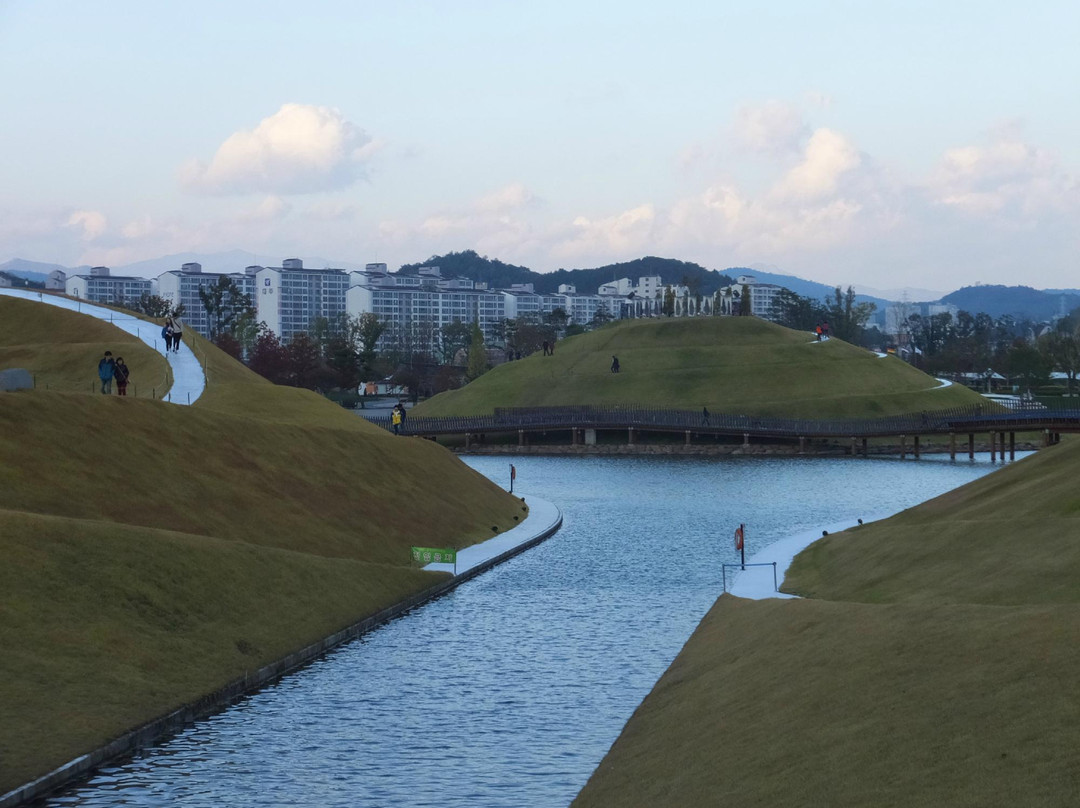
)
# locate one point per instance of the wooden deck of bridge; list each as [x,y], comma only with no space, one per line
[1000,424]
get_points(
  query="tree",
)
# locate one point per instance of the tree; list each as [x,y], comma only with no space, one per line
[1026,364]
[478,363]
[366,330]
[798,312]
[669,301]
[226,306]
[454,337]
[746,300]
[1062,350]
[848,319]
[269,358]
[558,319]
[156,306]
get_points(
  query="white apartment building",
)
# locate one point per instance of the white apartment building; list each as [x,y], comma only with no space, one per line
[763,297]
[289,298]
[181,287]
[56,280]
[648,287]
[100,287]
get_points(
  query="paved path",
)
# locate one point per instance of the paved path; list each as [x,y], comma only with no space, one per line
[543,517]
[189,380]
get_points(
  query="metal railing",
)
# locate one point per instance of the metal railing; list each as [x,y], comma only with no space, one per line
[977,418]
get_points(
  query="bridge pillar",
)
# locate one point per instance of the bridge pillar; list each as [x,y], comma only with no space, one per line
[851,451]
[903,446]
[952,446]
[1046,438]
[630,436]
[745,439]
[521,437]
[574,435]
[688,437]
[993,447]
[1012,446]
[971,445]
[1001,444]
[917,447]
[468,439]
[865,447]
[802,445]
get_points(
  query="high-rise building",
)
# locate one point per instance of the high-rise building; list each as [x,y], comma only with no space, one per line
[289,298]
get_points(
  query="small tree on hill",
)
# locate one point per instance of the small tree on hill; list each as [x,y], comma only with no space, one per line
[478,363]
[745,300]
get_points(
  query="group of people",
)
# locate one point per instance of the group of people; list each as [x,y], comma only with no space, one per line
[172,331]
[549,348]
[822,331]
[397,417]
[113,370]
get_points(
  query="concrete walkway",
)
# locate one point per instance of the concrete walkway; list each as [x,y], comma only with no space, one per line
[544,517]
[189,379]
[756,583]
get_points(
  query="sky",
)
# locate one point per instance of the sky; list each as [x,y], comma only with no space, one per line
[883,144]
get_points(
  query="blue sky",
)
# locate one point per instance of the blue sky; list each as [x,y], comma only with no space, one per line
[887,144]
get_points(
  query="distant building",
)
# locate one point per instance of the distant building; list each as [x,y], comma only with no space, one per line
[289,298]
[764,298]
[5,281]
[99,286]
[56,280]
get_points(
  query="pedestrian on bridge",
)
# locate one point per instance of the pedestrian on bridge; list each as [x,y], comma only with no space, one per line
[704,416]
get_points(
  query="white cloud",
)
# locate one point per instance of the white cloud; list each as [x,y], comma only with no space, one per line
[91,222]
[299,149]
[508,198]
[827,157]
[620,235]
[770,128]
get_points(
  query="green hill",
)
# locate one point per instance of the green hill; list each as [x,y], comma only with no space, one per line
[739,365]
[151,553]
[933,663]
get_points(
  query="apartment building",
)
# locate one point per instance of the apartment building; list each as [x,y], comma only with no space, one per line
[99,286]
[289,298]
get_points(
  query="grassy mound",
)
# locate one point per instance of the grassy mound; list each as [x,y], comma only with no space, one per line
[728,364]
[935,665]
[62,348]
[150,553]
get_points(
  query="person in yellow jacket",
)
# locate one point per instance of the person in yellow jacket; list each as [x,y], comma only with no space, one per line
[395,419]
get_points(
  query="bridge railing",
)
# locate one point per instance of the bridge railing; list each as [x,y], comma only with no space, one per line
[957,419]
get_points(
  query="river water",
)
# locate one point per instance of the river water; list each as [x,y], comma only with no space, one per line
[509,690]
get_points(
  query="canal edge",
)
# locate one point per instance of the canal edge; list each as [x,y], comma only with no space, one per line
[159,728]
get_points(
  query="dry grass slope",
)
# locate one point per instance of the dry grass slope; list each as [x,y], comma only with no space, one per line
[729,364]
[934,665]
[150,553]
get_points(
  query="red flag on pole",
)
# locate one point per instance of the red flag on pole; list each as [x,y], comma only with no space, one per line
[739,537]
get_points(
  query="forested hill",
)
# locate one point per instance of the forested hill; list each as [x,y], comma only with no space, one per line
[497,274]
[1021,302]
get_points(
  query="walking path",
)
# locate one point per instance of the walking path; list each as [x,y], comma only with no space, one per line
[542,520]
[189,379]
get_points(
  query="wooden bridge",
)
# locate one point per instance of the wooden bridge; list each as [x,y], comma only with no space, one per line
[582,423]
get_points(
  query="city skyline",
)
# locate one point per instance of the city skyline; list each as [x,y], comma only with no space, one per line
[903,145]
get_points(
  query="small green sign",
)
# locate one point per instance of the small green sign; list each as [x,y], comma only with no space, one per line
[433,555]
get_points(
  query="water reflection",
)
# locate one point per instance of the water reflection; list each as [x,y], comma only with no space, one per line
[510,690]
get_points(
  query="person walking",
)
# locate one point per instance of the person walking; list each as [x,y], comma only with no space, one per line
[167,333]
[178,331]
[395,419]
[105,370]
[704,416]
[121,374]
[614,364]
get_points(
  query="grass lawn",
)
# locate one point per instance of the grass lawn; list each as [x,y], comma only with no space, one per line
[934,662]
[150,552]
[728,364]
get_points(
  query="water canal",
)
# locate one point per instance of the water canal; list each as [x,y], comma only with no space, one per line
[511,689]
